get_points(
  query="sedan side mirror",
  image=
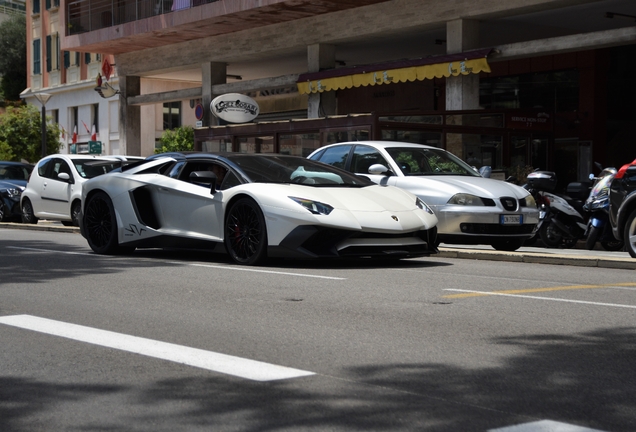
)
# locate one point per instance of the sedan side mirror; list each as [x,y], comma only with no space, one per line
[379,169]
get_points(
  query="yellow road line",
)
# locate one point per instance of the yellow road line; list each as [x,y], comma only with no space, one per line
[547,289]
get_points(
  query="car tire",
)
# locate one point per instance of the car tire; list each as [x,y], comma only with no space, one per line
[629,234]
[246,232]
[550,235]
[28,217]
[100,224]
[508,245]
[76,208]
[592,236]
[2,211]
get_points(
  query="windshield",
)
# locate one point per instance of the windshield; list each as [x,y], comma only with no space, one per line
[424,161]
[14,172]
[294,169]
[89,168]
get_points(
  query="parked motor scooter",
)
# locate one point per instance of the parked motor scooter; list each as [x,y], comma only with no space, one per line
[535,182]
[597,205]
[565,220]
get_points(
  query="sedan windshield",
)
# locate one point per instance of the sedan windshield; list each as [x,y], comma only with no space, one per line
[293,169]
[424,161]
[14,172]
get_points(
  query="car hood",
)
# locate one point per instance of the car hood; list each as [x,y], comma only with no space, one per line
[20,184]
[447,186]
[366,199]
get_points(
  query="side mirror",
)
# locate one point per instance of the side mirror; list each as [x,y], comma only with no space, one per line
[485,171]
[64,177]
[378,169]
[206,178]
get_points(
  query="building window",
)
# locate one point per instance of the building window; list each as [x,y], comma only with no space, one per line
[171,115]
[36,7]
[56,116]
[96,117]
[36,57]
[74,120]
[52,52]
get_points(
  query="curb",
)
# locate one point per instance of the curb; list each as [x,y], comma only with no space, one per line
[444,252]
[539,258]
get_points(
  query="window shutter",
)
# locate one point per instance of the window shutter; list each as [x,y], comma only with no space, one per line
[67,59]
[87,58]
[48,53]
[36,57]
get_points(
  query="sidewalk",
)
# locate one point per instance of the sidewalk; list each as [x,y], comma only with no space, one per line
[573,257]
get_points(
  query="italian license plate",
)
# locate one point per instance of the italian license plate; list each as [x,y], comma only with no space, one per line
[510,219]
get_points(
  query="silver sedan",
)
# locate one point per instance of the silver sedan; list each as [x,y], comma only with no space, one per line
[471,209]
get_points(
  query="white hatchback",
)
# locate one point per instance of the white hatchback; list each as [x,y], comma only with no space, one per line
[471,209]
[54,188]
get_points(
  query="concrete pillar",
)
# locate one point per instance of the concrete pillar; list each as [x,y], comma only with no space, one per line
[212,73]
[320,57]
[462,92]
[129,116]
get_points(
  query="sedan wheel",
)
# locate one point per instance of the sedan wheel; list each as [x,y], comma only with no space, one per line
[2,211]
[508,245]
[630,234]
[27,213]
[245,233]
[100,224]
[75,213]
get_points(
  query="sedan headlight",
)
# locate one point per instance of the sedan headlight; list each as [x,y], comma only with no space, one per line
[530,201]
[314,207]
[422,205]
[466,199]
[11,192]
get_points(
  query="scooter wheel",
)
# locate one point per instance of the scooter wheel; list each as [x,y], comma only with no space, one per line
[550,235]
[592,237]
[613,245]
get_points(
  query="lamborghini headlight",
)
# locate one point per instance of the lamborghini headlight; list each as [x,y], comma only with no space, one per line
[314,207]
[466,199]
[422,205]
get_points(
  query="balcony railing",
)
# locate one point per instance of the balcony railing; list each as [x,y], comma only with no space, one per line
[90,15]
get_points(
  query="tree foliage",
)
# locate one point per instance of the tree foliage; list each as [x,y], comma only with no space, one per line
[175,140]
[13,60]
[21,134]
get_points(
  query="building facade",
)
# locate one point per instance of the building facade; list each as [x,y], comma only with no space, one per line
[563,60]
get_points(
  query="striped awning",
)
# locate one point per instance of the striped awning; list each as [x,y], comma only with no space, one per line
[471,62]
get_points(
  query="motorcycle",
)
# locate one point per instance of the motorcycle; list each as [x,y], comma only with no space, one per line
[565,220]
[536,180]
[597,205]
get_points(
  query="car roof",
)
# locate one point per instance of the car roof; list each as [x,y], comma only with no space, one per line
[384,144]
[16,163]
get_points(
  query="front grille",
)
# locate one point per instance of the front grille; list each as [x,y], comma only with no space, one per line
[509,203]
[470,228]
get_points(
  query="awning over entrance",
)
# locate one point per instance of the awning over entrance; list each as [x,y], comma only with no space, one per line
[394,72]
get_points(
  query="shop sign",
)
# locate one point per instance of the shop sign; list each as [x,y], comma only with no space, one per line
[235,108]
[529,120]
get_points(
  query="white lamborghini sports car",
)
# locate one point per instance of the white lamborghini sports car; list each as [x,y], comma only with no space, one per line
[255,206]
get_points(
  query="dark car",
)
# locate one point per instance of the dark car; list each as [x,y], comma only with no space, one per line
[13,179]
[623,206]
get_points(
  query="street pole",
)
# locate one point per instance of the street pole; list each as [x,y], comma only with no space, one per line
[43,98]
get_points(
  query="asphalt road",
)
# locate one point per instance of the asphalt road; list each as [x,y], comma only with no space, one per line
[186,341]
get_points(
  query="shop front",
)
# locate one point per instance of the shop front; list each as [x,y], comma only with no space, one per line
[512,142]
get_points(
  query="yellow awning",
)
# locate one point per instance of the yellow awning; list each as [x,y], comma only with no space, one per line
[396,75]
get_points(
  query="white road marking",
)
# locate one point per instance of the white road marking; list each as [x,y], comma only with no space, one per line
[197,265]
[262,271]
[544,426]
[222,363]
[543,298]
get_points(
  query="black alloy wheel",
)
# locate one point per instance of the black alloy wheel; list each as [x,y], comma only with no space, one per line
[246,233]
[2,211]
[28,217]
[100,225]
